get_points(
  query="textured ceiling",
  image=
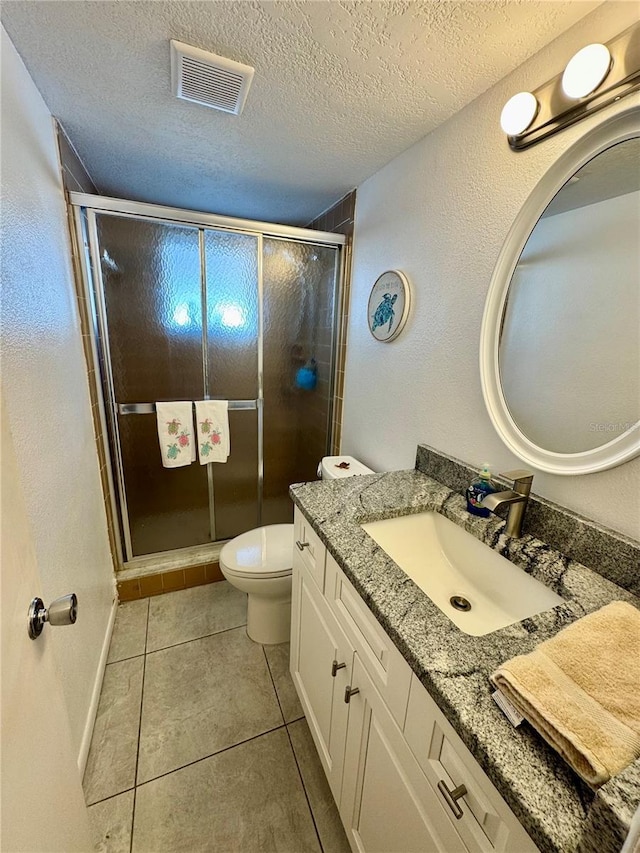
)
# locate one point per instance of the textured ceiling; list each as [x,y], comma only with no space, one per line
[340,89]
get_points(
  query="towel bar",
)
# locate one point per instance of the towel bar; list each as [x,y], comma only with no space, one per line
[149,408]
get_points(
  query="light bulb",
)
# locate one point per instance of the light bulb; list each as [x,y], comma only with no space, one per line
[586,70]
[518,113]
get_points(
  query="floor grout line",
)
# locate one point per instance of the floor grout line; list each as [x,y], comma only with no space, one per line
[295,757]
[129,657]
[211,755]
[193,639]
[110,797]
[304,789]
[135,777]
[273,683]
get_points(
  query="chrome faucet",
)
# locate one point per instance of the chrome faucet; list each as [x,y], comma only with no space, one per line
[516,499]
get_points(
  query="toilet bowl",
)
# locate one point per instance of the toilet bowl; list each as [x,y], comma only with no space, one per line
[259,563]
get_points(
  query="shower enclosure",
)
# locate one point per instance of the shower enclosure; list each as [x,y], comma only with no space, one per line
[189,306]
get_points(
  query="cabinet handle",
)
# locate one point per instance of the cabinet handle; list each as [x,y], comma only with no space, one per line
[301,545]
[335,666]
[349,692]
[451,797]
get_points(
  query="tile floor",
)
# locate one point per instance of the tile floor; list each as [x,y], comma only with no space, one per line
[200,743]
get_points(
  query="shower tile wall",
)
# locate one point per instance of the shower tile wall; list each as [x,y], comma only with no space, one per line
[339,219]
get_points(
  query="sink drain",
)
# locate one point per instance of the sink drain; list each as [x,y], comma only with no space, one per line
[460,603]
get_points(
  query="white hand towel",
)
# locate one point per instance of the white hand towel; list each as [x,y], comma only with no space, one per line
[175,433]
[212,424]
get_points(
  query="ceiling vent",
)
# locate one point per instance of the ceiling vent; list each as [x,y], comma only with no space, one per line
[207,79]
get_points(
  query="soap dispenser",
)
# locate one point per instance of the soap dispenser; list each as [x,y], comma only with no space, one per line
[478,489]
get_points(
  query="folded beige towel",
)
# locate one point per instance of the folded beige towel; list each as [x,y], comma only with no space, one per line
[581,691]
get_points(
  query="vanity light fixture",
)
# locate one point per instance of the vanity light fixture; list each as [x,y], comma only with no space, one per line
[596,76]
[518,113]
[586,70]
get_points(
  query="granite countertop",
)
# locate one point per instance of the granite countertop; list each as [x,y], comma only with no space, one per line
[558,810]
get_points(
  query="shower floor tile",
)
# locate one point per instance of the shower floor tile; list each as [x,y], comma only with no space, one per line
[218,769]
[201,697]
[188,614]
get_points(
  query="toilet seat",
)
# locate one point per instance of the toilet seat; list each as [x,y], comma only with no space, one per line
[266,552]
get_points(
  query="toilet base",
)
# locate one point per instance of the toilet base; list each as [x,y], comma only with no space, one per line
[269,619]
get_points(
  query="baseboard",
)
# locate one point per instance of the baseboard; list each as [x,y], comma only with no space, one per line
[85,744]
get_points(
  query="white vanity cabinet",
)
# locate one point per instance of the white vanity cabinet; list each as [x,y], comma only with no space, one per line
[321,662]
[387,804]
[401,777]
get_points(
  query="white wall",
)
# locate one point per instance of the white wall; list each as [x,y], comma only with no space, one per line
[441,212]
[45,390]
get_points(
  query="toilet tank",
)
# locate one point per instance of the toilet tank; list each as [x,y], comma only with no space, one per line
[329,468]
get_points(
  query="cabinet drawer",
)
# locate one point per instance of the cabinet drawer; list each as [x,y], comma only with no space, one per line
[385,665]
[308,550]
[487,823]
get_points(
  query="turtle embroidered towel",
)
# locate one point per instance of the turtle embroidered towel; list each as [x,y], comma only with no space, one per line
[212,424]
[175,432]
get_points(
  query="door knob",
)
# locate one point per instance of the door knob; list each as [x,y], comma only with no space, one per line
[62,611]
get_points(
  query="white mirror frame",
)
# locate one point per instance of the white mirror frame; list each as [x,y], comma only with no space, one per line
[625,446]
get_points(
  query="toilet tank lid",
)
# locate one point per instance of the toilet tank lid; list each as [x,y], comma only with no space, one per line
[331,469]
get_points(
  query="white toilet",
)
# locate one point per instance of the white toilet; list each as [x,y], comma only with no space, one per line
[259,563]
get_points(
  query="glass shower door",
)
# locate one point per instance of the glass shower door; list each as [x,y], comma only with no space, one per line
[152,300]
[232,373]
[192,312]
[299,283]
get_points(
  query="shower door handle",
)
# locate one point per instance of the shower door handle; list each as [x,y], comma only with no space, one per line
[150,408]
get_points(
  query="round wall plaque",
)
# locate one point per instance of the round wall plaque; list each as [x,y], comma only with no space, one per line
[389,304]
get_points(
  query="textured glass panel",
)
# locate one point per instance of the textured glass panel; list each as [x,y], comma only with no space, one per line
[168,507]
[236,481]
[232,308]
[299,286]
[151,275]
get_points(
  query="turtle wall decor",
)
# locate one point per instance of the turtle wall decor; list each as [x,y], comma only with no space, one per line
[389,305]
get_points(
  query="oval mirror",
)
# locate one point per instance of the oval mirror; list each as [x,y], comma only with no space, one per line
[560,342]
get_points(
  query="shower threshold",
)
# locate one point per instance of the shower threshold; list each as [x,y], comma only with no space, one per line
[165,561]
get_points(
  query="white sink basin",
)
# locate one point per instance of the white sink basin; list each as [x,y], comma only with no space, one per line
[445,561]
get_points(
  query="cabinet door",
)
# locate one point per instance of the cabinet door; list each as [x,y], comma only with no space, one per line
[316,642]
[387,805]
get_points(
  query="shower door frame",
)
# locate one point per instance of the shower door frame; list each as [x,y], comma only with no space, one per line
[85,207]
